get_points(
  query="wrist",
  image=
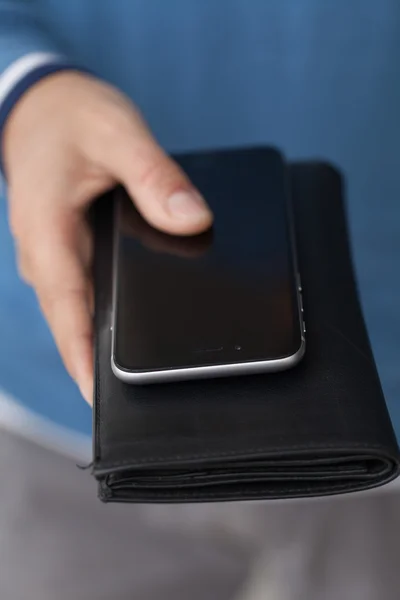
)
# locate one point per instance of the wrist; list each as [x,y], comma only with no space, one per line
[11,96]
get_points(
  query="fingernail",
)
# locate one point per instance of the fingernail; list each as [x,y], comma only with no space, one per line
[86,390]
[188,206]
[84,378]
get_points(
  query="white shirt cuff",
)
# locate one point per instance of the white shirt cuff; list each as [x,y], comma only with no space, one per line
[22,67]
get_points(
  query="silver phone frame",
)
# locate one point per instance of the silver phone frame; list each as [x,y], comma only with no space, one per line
[209,371]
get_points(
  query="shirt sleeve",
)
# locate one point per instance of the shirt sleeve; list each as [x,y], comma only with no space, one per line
[28,53]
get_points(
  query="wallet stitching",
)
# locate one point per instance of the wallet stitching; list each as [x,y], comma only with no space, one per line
[247,492]
[97,436]
[259,450]
[257,493]
[279,490]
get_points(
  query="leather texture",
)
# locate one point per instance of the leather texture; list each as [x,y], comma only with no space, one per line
[320,428]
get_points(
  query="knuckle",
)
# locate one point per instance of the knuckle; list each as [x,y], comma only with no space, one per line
[156,172]
[149,172]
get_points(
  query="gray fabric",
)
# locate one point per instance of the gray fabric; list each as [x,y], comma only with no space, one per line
[58,542]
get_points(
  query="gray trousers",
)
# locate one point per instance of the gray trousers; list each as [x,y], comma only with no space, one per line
[58,542]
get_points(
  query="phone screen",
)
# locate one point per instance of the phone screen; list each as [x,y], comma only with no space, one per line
[224,297]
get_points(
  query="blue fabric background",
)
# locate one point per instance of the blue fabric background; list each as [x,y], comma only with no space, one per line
[319,79]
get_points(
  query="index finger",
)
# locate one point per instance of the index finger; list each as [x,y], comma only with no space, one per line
[62,283]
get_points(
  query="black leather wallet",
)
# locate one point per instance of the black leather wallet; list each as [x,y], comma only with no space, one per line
[319,428]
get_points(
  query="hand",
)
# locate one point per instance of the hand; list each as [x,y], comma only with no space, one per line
[70,138]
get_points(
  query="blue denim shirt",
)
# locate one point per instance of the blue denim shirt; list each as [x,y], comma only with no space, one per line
[319,79]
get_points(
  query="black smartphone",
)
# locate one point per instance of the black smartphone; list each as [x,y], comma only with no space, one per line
[227,302]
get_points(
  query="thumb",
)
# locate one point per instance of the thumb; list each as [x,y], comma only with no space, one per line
[160,189]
